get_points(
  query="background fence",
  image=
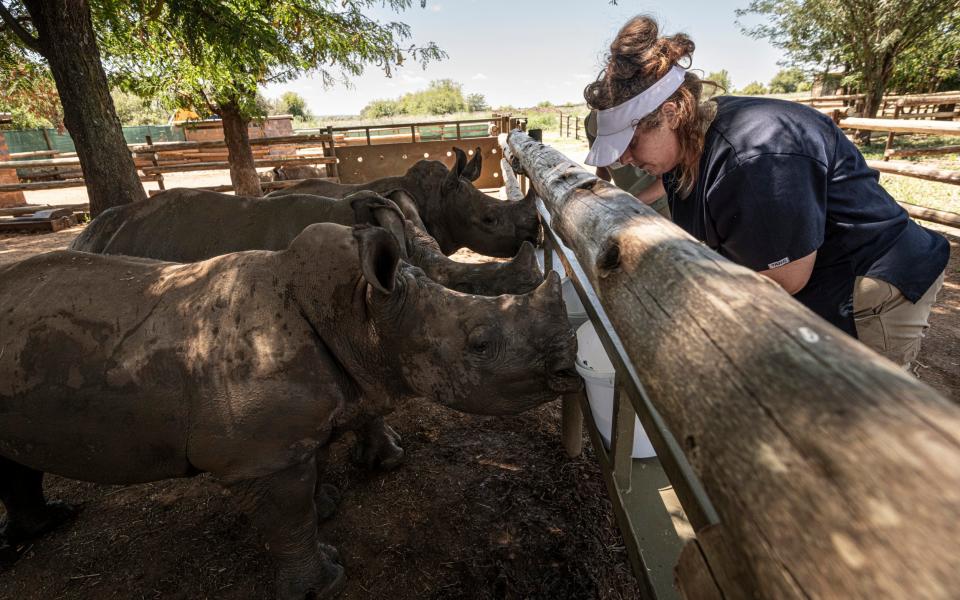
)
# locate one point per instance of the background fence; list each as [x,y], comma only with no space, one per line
[37,140]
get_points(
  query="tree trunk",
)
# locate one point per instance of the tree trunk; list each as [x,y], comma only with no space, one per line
[67,41]
[875,78]
[243,174]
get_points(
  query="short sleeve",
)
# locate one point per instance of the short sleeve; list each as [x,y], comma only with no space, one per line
[768,211]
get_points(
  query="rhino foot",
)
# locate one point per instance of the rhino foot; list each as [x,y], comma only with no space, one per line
[327,499]
[326,581]
[378,447]
[33,523]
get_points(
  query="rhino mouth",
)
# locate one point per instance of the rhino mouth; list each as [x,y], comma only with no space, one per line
[565,380]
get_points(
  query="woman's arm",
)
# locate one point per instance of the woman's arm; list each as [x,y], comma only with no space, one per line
[652,192]
[793,276]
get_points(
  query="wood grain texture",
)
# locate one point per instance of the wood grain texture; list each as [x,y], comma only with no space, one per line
[910,169]
[835,474]
[902,125]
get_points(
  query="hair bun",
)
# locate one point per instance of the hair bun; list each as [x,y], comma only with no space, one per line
[638,51]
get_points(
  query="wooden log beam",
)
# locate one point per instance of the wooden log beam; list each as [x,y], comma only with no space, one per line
[160,147]
[923,151]
[942,217]
[945,98]
[39,153]
[510,181]
[910,169]
[223,164]
[902,125]
[834,472]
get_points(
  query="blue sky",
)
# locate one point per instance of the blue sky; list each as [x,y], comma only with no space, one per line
[522,52]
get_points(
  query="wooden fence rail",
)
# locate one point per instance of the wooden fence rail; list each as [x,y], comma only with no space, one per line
[833,473]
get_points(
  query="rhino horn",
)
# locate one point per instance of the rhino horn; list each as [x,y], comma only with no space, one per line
[548,293]
[379,256]
[471,172]
[526,257]
[373,209]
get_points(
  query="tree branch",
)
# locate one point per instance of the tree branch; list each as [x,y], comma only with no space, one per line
[28,40]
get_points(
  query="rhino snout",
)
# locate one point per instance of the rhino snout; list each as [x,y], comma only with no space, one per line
[564,378]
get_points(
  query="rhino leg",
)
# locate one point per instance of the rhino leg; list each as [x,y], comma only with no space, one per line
[29,515]
[378,446]
[327,499]
[282,508]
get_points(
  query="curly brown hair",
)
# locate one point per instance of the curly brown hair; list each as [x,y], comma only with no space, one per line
[638,58]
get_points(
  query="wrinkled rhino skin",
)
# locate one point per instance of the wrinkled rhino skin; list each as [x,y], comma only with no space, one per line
[122,370]
[294,172]
[445,204]
[188,225]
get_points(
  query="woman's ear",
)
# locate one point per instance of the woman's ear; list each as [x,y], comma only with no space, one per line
[670,114]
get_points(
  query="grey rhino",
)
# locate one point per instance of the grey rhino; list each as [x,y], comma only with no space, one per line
[117,369]
[187,225]
[289,173]
[446,205]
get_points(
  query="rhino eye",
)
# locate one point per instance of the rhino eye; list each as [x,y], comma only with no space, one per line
[489,220]
[480,347]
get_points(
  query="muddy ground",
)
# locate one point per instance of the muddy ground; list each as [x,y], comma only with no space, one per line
[483,508]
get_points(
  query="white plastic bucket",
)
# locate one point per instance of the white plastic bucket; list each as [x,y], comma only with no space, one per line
[576,314]
[598,373]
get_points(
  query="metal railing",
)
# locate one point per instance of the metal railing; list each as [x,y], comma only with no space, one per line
[652,541]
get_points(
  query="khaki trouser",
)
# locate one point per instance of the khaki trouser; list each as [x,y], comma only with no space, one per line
[889,323]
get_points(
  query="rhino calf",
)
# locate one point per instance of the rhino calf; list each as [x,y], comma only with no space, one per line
[445,204]
[122,370]
[187,225]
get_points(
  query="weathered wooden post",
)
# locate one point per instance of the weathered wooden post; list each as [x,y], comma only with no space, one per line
[154,160]
[8,175]
[333,170]
[833,473]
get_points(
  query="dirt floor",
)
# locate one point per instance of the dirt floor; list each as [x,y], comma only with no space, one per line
[483,508]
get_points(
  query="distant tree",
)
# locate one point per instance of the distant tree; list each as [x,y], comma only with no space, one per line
[442,97]
[476,102]
[133,110]
[866,35]
[787,81]
[292,103]
[29,92]
[721,78]
[933,63]
[545,104]
[754,88]
[381,108]
[213,56]
[60,34]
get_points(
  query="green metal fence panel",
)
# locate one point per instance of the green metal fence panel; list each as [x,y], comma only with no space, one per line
[32,140]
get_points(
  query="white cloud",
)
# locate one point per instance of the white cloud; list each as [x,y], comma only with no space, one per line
[479,76]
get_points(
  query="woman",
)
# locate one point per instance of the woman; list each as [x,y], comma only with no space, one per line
[772,185]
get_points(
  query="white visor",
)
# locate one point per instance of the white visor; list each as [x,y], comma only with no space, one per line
[615,125]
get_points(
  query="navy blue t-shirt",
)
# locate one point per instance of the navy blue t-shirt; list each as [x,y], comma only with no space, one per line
[779,180]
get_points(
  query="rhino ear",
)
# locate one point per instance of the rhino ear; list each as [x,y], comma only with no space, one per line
[461,162]
[379,256]
[373,209]
[471,172]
